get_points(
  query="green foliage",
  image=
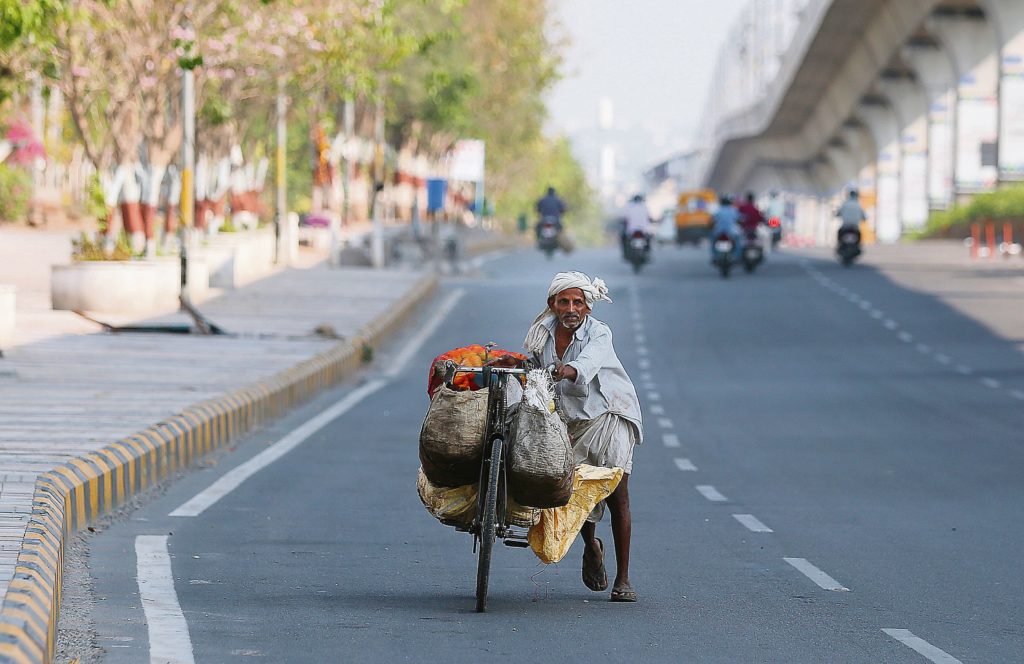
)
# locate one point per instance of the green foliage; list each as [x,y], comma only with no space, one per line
[26,19]
[15,193]
[1002,204]
[86,248]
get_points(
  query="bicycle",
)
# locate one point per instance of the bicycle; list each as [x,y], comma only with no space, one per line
[491,520]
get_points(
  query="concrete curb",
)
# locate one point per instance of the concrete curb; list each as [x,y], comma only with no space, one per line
[76,493]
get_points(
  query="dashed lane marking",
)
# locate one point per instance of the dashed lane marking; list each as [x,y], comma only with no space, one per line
[752,523]
[643,363]
[685,464]
[665,423]
[1017,394]
[646,376]
[890,324]
[670,440]
[942,358]
[964,370]
[641,339]
[877,315]
[711,493]
[906,337]
[653,396]
[924,349]
[922,647]
[657,409]
[641,350]
[169,640]
[991,382]
[814,574]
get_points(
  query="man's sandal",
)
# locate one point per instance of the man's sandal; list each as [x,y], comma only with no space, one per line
[626,594]
[595,576]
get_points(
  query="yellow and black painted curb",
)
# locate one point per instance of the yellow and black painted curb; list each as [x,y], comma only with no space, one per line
[76,493]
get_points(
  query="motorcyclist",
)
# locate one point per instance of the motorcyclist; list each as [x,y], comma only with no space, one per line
[851,214]
[550,208]
[637,218]
[751,216]
[726,220]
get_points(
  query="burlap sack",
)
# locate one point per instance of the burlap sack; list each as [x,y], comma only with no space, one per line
[540,461]
[457,506]
[452,437]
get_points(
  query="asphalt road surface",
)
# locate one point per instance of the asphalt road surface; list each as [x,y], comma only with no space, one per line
[832,472]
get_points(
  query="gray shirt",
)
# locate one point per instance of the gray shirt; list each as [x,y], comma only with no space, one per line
[601,384]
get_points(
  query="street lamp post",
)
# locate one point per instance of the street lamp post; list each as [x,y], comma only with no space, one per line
[188,162]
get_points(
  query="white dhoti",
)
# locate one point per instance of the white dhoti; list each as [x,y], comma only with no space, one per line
[606,441]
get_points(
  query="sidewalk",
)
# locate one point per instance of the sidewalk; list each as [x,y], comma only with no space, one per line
[88,419]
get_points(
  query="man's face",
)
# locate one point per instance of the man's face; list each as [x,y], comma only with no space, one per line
[570,307]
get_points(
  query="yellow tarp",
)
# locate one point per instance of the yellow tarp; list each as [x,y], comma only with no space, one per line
[552,536]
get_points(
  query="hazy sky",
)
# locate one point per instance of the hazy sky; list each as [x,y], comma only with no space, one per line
[653,58]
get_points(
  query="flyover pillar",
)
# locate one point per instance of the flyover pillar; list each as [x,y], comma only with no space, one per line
[862,146]
[907,98]
[971,40]
[1008,17]
[881,122]
[934,68]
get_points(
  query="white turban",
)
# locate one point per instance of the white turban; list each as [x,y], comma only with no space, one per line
[593,290]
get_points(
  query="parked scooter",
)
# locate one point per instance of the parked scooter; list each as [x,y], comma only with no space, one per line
[849,246]
[638,249]
[547,236]
[723,253]
[753,252]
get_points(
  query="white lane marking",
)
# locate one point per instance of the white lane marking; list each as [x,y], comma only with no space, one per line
[641,339]
[665,423]
[942,358]
[649,385]
[814,574]
[641,350]
[643,363]
[685,464]
[906,337]
[1017,394]
[169,641]
[853,297]
[877,315]
[670,439]
[991,382]
[711,493]
[890,324]
[233,478]
[922,647]
[653,396]
[865,305]
[657,409]
[646,376]
[398,364]
[964,370]
[924,348]
[752,523]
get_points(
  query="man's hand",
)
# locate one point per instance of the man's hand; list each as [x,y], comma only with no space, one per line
[565,372]
[506,361]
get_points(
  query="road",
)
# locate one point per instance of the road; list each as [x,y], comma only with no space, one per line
[831,472]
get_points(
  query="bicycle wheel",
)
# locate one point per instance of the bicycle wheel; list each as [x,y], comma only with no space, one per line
[488,521]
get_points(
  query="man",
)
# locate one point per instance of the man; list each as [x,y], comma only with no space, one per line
[751,217]
[551,207]
[726,221]
[599,404]
[851,214]
[637,218]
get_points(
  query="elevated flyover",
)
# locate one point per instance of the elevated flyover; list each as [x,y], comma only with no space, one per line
[916,103]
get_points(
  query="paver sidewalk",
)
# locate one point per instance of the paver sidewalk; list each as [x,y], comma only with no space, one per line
[67,390]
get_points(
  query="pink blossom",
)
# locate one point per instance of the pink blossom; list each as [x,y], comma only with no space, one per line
[184,34]
[80,72]
[216,45]
[250,71]
[147,82]
[275,51]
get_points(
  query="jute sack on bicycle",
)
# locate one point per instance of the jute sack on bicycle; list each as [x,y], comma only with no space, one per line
[452,436]
[540,460]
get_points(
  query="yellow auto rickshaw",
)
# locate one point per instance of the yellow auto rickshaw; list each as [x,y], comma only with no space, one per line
[693,215]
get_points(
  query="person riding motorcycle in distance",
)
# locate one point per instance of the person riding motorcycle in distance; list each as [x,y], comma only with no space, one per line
[851,214]
[726,220]
[751,216]
[550,207]
[637,218]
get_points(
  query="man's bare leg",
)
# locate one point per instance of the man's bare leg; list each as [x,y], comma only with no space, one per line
[593,559]
[622,531]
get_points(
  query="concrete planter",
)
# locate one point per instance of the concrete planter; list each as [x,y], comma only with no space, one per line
[7,300]
[236,259]
[124,287]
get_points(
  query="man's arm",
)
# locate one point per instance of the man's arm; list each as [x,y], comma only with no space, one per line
[594,356]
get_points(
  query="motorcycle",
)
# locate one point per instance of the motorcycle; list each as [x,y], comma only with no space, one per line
[775,228]
[638,249]
[753,253]
[849,246]
[723,248]
[547,236]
